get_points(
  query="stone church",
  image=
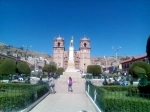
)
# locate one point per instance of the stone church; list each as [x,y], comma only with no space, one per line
[81,56]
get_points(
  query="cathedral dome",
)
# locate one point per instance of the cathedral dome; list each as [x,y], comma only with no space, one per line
[84,38]
[59,38]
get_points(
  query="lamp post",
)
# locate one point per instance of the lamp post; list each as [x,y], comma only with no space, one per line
[116,51]
[105,62]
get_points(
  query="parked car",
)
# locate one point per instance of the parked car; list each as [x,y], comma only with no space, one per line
[83,75]
[20,78]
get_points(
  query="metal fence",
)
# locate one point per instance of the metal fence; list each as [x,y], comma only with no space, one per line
[118,101]
[17,97]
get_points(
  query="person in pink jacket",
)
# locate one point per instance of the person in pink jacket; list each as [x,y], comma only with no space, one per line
[70,84]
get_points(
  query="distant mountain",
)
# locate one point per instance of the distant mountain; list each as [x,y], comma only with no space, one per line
[108,60]
[2,44]
[21,52]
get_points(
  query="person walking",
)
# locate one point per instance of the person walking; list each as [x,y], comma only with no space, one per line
[70,84]
[52,84]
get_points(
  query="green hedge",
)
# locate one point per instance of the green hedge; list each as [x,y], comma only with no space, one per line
[12,100]
[126,105]
[17,86]
[119,98]
[14,97]
[121,88]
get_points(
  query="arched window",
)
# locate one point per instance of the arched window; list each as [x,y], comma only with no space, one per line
[58,44]
[84,44]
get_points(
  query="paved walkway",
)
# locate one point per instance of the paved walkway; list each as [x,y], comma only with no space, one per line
[64,101]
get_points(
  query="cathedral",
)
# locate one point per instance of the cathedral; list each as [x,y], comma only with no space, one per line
[81,57]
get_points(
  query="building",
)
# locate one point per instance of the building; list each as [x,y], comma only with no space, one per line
[126,63]
[81,56]
[2,56]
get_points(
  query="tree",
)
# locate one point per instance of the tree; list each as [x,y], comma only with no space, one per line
[45,68]
[23,68]
[60,71]
[8,66]
[148,47]
[53,63]
[140,64]
[140,72]
[94,69]
[49,68]
[32,67]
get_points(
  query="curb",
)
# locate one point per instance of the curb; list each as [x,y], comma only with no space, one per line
[98,110]
[35,103]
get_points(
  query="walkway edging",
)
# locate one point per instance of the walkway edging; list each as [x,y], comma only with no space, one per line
[35,103]
[93,102]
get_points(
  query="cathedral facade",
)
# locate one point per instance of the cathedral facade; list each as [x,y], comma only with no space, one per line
[81,56]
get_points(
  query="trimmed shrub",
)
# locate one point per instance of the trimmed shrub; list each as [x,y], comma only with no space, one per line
[118,99]
[49,68]
[23,68]
[144,89]
[140,72]
[94,69]
[120,88]
[8,66]
[60,71]
[18,96]
[120,104]
[140,64]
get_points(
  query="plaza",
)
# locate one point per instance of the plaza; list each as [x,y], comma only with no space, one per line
[64,101]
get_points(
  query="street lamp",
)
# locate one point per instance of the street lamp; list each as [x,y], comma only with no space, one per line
[116,51]
[105,62]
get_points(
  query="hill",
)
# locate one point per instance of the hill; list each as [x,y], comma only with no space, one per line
[108,60]
[22,53]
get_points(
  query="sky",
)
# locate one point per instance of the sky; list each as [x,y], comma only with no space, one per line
[107,23]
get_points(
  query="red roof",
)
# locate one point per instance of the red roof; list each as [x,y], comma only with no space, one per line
[135,58]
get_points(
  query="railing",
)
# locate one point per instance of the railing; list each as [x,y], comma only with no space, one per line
[17,97]
[117,101]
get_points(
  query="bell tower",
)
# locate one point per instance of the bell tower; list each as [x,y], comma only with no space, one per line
[85,50]
[58,50]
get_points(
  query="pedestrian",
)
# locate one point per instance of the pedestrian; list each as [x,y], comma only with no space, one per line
[52,84]
[49,74]
[70,84]
[10,77]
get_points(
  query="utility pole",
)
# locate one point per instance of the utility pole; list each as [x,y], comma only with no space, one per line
[116,51]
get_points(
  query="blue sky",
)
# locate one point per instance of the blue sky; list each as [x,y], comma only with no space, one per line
[107,23]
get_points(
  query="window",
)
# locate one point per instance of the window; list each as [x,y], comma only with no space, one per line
[84,44]
[58,44]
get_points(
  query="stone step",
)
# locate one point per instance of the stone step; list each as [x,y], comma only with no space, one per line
[71,73]
[76,89]
[78,81]
[62,87]
[72,76]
